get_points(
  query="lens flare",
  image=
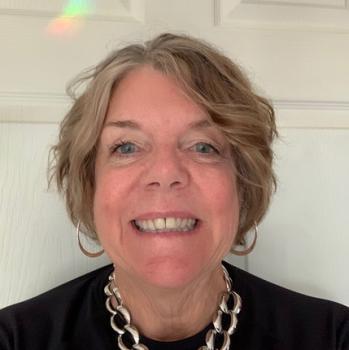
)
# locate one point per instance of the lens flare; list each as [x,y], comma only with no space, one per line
[71,19]
[77,8]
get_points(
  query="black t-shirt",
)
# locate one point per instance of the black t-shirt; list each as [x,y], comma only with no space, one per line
[73,316]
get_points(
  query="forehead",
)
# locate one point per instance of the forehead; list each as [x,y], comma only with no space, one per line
[148,96]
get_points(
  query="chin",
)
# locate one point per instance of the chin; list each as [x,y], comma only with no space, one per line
[172,272]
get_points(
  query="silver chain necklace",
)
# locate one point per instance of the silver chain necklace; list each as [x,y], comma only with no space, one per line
[120,319]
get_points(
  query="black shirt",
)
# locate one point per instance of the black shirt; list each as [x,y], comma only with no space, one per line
[73,316]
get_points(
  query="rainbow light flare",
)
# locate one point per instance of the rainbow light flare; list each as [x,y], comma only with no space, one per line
[70,21]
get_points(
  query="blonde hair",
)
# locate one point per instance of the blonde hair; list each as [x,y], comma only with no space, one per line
[211,79]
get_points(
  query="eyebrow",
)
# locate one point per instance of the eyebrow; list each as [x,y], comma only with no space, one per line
[131,124]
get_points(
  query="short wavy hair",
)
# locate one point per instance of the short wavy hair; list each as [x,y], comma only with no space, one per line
[210,79]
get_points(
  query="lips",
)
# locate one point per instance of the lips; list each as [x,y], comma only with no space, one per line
[153,223]
[166,234]
[166,225]
[173,214]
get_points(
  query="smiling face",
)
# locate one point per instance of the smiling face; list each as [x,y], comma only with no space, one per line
[171,163]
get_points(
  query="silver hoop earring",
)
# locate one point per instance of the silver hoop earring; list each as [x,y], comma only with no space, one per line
[250,248]
[83,250]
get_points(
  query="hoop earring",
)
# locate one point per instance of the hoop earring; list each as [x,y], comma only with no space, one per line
[83,250]
[250,248]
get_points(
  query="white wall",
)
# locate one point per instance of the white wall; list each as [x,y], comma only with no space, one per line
[297,53]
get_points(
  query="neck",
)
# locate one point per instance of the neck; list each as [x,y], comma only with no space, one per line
[172,314]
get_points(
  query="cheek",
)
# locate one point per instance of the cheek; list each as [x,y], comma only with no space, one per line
[107,195]
[113,199]
[224,199]
[222,190]
[102,196]
[108,210]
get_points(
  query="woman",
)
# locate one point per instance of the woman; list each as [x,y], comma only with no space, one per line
[166,160]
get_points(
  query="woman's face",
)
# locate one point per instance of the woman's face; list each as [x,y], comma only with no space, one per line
[171,164]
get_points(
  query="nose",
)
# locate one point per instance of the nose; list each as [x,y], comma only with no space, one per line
[166,170]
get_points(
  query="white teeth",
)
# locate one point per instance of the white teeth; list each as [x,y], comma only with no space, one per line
[184,223]
[171,223]
[178,222]
[151,225]
[166,224]
[160,223]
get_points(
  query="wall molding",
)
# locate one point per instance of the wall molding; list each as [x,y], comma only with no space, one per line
[32,98]
[36,107]
[271,15]
[32,107]
[312,114]
[126,11]
[341,4]
[311,105]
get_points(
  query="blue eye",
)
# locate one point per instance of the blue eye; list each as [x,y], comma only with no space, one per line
[124,147]
[203,147]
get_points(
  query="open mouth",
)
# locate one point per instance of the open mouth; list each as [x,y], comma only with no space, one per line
[165,225]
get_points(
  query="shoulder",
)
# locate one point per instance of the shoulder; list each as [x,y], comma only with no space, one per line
[291,315]
[67,291]
[46,313]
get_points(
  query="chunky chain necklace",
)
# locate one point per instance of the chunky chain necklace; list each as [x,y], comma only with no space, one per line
[128,335]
